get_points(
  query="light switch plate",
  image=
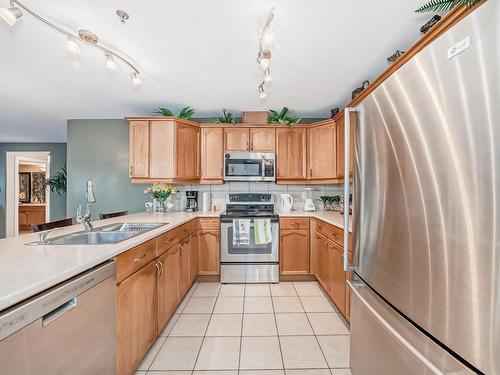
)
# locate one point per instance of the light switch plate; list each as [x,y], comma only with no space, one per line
[459,47]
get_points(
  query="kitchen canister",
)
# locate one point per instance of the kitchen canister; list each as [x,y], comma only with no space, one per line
[206,201]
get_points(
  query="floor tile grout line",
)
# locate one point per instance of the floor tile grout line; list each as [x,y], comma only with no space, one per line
[188,296]
[277,332]
[241,330]
[314,333]
[206,329]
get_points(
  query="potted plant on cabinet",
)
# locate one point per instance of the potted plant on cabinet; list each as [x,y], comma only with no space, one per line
[283,117]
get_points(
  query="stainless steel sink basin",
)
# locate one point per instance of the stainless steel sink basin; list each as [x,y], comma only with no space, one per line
[109,234]
[130,227]
[91,238]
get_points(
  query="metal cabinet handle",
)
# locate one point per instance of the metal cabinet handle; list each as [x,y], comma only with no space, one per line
[310,172]
[157,270]
[131,170]
[347,152]
[161,267]
[141,257]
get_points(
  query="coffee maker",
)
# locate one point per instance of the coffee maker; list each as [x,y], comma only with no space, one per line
[191,201]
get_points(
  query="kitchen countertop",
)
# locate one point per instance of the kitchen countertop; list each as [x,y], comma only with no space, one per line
[331,217]
[26,270]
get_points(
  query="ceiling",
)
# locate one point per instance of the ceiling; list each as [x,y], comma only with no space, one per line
[197,53]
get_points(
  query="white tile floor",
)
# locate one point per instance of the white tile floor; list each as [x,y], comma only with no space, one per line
[277,329]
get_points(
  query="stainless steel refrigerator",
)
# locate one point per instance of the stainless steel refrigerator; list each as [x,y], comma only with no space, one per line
[426,210]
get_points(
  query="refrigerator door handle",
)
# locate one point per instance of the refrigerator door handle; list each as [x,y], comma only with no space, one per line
[347,153]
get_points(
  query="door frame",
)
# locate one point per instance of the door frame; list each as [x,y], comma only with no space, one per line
[13,159]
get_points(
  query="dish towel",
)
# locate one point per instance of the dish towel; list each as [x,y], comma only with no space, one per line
[262,231]
[241,232]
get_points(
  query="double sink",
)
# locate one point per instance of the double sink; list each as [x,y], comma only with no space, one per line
[109,234]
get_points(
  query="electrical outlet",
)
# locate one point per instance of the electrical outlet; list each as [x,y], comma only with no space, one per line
[458,47]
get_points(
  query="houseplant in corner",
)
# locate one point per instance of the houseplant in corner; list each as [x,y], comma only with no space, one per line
[186,113]
[445,5]
[160,193]
[283,117]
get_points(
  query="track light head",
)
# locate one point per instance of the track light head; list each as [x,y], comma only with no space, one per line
[262,93]
[72,46]
[10,15]
[110,63]
[136,81]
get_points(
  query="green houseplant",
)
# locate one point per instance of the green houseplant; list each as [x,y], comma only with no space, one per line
[283,117]
[186,113]
[330,202]
[57,183]
[226,117]
[444,5]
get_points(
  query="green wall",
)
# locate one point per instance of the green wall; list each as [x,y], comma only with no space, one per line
[98,149]
[57,157]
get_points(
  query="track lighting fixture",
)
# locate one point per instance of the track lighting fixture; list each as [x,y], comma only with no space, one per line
[73,41]
[110,63]
[11,15]
[264,56]
[72,46]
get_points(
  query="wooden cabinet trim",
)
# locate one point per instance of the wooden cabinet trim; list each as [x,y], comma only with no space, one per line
[134,259]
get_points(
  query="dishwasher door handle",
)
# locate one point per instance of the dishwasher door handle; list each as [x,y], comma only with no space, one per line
[59,311]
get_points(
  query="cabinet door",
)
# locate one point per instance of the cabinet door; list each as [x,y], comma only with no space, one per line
[337,275]
[168,286]
[139,148]
[262,140]
[212,154]
[187,152]
[184,266]
[291,154]
[294,252]
[322,261]
[236,139]
[136,325]
[340,125]
[322,152]
[208,252]
[193,257]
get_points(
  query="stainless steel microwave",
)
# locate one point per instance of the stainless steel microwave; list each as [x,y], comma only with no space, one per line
[249,166]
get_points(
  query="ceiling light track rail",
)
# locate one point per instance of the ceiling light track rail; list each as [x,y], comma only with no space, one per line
[82,37]
[266,40]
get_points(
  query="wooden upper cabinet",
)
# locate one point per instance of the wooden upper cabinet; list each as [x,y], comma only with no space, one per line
[212,155]
[291,154]
[340,145]
[322,152]
[136,325]
[187,152]
[262,139]
[236,139]
[166,150]
[139,148]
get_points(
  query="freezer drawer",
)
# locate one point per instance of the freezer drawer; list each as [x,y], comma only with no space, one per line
[69,329]
[384,342]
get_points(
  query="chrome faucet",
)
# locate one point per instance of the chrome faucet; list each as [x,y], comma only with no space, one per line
[86,218]
[42,237]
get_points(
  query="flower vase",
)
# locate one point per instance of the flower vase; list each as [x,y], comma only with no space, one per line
[159,206]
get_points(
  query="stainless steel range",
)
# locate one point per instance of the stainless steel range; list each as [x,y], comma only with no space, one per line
[249,254]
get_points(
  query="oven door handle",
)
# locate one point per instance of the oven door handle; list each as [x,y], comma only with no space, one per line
[230,220]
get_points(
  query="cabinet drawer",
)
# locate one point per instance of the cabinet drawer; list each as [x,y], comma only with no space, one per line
[333,233]
[134,259]
[172,237]
[294,223]
[208,223]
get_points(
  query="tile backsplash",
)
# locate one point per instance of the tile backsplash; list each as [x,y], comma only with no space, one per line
[219,192]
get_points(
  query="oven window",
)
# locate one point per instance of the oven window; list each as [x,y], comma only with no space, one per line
[251,249]
[243,167]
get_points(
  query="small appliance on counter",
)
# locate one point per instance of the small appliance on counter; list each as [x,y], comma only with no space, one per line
[308,200]
[206,201]
[286,202]
[191,201]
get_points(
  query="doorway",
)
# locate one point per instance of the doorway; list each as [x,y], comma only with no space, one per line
[27,198]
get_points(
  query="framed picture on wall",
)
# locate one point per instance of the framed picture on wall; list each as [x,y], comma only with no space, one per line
[24,187]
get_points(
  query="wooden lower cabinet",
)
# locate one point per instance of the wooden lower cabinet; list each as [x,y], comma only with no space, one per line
[208,252]
[294,252]
[193,257]
[337,276]
[168,285]
[184,253]
[136,325]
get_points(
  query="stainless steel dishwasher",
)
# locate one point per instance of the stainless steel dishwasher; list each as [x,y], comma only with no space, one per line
[68,329]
